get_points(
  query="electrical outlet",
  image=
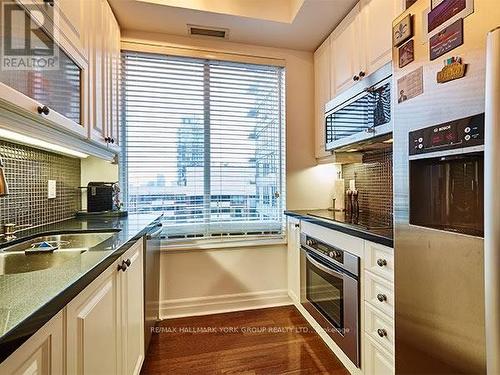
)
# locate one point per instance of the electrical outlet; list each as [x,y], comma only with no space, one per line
[51,189]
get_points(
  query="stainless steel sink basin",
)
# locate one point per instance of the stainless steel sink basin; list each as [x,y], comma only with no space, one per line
[21,258]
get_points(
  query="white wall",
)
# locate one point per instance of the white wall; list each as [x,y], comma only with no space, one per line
[212,280]
[195,282]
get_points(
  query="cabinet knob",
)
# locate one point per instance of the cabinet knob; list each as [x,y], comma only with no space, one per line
[128,262]
[381,262]
[112,140]
[297,225]
[382,332]
[355,78]
[382,297]
[122,266]
[50,2]
[43,110]
[362,74]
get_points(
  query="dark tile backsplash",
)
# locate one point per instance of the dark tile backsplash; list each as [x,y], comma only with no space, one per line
[27,171]
[374,183]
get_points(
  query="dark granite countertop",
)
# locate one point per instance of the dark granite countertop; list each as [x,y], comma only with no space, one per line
[29,300]
[367,227]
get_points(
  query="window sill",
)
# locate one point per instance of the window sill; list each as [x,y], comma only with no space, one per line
[198,245]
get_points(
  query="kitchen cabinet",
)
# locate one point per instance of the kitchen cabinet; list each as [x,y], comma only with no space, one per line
[57,97]
[68,17]
[346,52]
[132,297]
[322,94]
[293,258]
[93,328]
[378,335]
[105,61]
[105,332]
[377,361]
[360,45]
[376,33]
[82,96]
[42,354]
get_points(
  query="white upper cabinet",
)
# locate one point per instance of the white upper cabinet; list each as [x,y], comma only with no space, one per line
[346,52]
[376,33]
[104,55]
[68,17]
[56,95]
[361,44]
[322,94]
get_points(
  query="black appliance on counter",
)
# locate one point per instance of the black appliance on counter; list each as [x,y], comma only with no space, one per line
[100,196]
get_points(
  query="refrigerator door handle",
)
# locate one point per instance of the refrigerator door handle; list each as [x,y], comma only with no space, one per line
[492,210]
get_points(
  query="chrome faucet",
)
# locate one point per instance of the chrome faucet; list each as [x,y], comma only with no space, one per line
[4,186]
[9,230]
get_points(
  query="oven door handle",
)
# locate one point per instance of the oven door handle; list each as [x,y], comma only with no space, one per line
[324,268]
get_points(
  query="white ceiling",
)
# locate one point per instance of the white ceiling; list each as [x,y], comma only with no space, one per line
[302,25]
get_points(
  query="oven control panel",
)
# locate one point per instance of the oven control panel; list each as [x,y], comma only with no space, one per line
[461,133]
[340,258]
[331,252]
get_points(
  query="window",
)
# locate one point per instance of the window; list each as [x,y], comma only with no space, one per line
[203,143]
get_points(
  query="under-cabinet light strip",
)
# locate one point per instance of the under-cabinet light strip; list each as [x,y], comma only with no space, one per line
[38,143]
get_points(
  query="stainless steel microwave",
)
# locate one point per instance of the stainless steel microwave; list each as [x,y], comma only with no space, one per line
[362,112]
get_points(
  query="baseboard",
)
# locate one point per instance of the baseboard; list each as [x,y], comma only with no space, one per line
[224,303]
[351,367]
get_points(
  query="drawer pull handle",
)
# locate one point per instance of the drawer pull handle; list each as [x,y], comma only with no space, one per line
[381,262]
[43,110]
[382,332]
[122,266]
[128,262]
[382,297]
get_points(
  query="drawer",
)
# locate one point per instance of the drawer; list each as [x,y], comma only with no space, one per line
[379,259]
[377,360]
[379,292]
[379,327]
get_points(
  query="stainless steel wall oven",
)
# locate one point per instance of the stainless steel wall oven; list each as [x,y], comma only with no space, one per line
[330,292]
[447,176]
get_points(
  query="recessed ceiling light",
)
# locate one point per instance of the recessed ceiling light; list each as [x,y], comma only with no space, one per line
[38,143]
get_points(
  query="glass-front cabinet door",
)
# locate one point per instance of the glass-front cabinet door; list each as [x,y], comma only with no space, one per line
[41,72]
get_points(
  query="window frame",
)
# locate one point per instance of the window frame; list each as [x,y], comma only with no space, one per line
[232,240]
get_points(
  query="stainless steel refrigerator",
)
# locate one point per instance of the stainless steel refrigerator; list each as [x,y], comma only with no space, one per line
[445,206]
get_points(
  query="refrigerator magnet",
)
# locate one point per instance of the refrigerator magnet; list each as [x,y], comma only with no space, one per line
[402,31]
[447,39]
[406,53]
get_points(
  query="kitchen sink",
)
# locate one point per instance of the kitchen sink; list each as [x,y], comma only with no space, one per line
[48,251]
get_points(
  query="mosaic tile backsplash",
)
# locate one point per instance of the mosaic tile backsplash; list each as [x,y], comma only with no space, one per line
[27,171]
[374,182]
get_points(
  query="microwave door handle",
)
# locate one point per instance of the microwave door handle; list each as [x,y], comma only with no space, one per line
[323,268]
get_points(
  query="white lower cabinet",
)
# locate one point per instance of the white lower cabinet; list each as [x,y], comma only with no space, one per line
[93,330]
[378,336]
[132,312]
[377,360]
[105,323]
[42,354]
[101,331]
[293,258]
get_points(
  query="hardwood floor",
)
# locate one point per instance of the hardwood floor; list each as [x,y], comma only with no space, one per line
[276,340]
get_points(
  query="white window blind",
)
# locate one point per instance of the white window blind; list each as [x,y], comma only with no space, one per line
[203,143]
